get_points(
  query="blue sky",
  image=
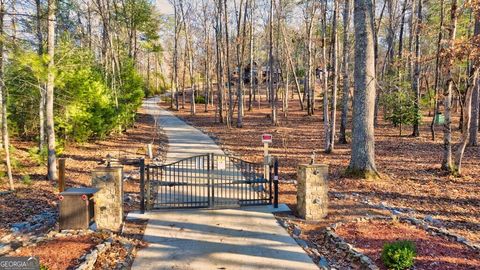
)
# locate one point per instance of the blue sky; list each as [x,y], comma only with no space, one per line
[164,7]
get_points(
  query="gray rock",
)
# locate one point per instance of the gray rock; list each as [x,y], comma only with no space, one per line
[429,219]
[461,239]
[283,223]
[16,244]
[296,230]
[20,226]
[323,263]
[396,212]
[302,243]
[4,249]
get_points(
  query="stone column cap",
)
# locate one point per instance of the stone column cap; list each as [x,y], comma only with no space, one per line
[107,169]
[307,165]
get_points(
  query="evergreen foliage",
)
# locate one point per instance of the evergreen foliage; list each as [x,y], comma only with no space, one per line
[399,255]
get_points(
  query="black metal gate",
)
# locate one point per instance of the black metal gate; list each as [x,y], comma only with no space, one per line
[207,181]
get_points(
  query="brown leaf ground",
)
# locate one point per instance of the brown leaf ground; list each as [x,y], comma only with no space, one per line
[62,253]
[81,159]
[411,166]
[433,252]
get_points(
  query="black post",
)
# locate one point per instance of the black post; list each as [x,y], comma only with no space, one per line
[275,183]
[142,185]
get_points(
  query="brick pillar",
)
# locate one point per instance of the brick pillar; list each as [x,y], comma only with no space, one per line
[312,191]
[109,199]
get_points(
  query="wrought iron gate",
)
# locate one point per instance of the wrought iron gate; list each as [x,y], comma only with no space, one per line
[207,181]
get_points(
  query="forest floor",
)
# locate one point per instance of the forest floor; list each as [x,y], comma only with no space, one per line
[412,180]
[34,194]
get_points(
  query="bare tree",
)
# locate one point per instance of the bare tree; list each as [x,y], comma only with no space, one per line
[41,107]
[219,58]
[52,157]
[189,51]
[207,52]
[473,141]
[331,137]
[3,102]
[437,69]
[362,162]
[310,10]
[241,39]
[346,77]
[467,121]
[177,28]
[252,48]
[416,73]
[447,127]
[271,67]
[227,63]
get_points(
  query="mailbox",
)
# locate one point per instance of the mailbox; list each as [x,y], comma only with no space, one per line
[76,208]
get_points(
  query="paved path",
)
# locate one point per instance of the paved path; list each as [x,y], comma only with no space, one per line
[231,239]
[183,140]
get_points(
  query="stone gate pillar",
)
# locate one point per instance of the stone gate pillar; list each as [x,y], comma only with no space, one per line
[312,191]
[109,198]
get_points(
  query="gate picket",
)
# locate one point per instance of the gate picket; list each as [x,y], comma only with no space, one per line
[207,181]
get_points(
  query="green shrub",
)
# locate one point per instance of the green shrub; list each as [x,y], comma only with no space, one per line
[26,179]
[41,156]
[399,255]
[200,100]
[16,164]
[38,156]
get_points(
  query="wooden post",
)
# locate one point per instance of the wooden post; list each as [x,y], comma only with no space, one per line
[61,174]
[150,151]
[142,185]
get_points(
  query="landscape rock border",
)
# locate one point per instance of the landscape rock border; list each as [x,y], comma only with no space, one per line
[91,257]
[428,223]
[339,243]
[32,240]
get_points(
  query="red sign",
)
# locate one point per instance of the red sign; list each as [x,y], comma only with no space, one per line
[267,138]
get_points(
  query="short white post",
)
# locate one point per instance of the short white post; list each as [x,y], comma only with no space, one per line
[149,151]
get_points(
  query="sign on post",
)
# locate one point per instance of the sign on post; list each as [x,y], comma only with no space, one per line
[267,138]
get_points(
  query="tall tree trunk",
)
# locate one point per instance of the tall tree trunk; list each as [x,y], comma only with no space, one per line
[362,162]
[252,80]
[184,74]
[207,54]
[292,67]
[41,107]
[52,157]
[3,102]
[473,83]
[416,75]
[175,55]
[271,66]
[219,60]
[241,36]
[333,117]
[309,88]
[447,127]
[189,51]
[437,69]
[227,63]
[326,117]
[473,141]
[400,37]
[346,78]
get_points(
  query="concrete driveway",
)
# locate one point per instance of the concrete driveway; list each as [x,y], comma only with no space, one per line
[230,239]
